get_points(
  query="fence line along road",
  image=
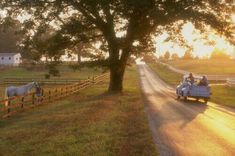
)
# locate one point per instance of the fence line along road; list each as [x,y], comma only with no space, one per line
[16,104]
[231,82]
[210,77]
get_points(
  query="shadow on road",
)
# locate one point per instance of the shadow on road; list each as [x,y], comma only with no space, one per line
[165,110]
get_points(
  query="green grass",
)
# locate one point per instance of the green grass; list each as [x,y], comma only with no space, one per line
[223,95]
[165,74]
[18,72]
[87,123]
[2,92]
[218,67]
[65,71]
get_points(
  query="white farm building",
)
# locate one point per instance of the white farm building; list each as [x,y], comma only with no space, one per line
[10,59]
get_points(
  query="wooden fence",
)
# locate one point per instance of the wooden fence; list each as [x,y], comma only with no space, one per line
[231,82]
[18,104]
[20,81]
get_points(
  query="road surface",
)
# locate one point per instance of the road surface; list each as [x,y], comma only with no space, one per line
[186,128]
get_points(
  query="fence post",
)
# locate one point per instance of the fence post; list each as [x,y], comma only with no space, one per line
[49,96]
[33,98]
[8,106]
[93,79]
[88,79]
[55,94]
[61,92]
[77,87]
[71,90]
[22,102]
[42,96]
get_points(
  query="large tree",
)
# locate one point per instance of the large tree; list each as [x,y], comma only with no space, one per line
[124,27]
[9,37]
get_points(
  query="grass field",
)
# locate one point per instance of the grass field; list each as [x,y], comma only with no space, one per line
[66,72]
[223,95]
[218,67]
[88,123]
[165,74]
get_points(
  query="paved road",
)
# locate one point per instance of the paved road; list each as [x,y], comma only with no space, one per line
[186,128]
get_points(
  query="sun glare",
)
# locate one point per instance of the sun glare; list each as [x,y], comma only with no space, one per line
[3,13]
[233,18]
[194,39]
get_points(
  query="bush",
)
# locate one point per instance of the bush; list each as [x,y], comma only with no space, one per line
[47,76]
[188,55]
[54,72]
[74,67]
[91,64]
[219,54]
[52,68]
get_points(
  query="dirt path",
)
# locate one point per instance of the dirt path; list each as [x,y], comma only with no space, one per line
[186,128]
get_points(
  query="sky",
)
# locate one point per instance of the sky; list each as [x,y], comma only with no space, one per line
[193,37]
[190,34]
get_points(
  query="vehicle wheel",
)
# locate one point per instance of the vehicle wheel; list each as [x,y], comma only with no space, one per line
[205,100]
[185,98]
[197,99]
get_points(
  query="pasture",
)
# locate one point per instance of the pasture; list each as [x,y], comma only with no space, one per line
[66,73]
[165,74]
[223,95]
[213,67]
[87,123]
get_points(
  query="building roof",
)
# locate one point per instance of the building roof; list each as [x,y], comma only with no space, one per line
[8,54]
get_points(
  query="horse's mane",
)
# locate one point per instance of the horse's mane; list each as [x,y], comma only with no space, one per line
[30,83]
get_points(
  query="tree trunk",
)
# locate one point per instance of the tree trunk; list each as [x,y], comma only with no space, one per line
[79,57]
[117,70]
[116,78]
[117,62]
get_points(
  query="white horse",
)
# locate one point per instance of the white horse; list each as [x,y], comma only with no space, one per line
[19,91]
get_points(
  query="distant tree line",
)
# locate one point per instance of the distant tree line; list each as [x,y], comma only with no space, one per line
[188,55]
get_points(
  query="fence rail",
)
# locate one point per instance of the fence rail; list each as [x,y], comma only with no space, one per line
[231,82]
[19,103]
[214,77]
[19,81]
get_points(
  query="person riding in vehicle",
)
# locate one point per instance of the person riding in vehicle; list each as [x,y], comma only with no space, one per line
[191,78]
[203,81]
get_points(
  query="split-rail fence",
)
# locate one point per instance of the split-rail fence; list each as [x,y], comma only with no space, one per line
[19,103]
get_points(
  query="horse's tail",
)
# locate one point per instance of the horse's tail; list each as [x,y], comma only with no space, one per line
[6,98]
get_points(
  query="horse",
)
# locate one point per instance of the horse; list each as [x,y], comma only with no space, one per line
[20,91]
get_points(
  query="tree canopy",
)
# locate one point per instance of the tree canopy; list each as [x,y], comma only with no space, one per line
[175,56]
[188,55]
[122,27]
[167,55]
[9,37]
